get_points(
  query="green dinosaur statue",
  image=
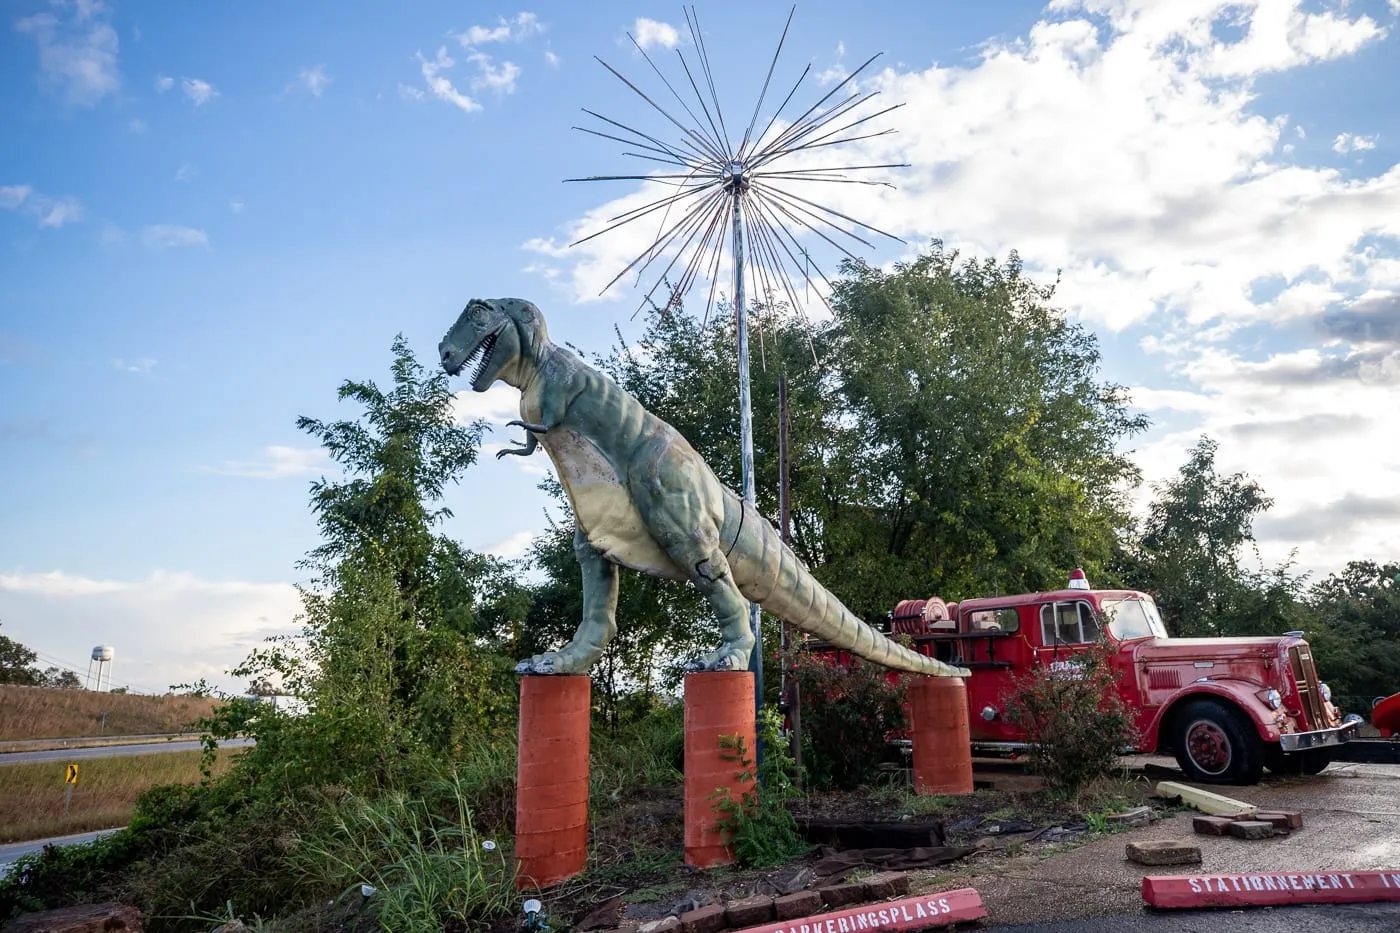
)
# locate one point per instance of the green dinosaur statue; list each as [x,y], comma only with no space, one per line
[643,498]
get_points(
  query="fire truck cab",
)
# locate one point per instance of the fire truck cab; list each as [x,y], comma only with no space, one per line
[1225,707]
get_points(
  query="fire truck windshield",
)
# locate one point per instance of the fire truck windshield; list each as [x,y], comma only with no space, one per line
[1133,618]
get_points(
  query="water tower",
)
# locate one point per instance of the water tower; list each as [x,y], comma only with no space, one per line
[102,657]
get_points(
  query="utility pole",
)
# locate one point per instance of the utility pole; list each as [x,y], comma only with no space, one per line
[789,691]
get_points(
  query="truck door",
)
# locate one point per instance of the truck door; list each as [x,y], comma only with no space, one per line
[994,650]
[1067,627]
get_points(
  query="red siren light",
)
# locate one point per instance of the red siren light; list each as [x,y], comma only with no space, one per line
[1077,580]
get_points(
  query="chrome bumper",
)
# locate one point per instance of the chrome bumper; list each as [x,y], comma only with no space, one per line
[1302,741]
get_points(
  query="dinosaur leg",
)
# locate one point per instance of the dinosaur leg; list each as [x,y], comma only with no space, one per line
[599,623]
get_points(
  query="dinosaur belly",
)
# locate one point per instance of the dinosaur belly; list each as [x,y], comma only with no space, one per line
[603,507]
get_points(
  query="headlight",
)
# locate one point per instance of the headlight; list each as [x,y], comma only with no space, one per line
[1274,699]
[1326,692]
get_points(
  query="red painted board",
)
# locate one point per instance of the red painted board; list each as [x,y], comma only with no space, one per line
[1271,889]
[910,913]
[1385,715]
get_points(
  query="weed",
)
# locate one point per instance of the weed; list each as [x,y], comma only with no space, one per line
[760,828]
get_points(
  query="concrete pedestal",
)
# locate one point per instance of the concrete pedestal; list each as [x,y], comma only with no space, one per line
[551,796]
[718,703]
[942,745]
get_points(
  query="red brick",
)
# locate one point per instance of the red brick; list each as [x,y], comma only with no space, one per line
[751,911]
[705,920]
[1281,819]
[886,885]
[799,904]
[1252,829]
[841,895]
[1211,825]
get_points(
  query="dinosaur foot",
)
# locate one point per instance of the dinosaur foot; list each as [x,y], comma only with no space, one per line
[725,659]
[553,662]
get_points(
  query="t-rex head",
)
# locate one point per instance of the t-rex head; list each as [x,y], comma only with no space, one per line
[506,332]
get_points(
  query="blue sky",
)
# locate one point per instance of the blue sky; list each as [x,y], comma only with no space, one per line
[210,215]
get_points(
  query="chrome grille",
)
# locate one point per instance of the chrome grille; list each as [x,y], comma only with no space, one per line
[1305,677]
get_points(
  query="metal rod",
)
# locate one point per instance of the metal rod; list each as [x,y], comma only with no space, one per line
[758,104]
[746,430]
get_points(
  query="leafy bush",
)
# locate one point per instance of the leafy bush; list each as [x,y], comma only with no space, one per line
[1075,717]
[760,829]
[847,714]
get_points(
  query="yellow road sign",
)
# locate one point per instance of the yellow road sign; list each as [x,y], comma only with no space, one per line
[72,776]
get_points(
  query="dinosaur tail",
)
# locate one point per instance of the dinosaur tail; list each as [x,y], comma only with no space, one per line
[770,574]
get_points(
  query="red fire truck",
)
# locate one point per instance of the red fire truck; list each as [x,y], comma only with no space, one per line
[1226,707]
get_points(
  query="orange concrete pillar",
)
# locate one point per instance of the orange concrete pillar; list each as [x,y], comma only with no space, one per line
[551,792]
[942,745]
[717,703]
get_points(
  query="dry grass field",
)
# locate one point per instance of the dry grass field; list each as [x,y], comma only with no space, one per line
[45,713]
[31,795]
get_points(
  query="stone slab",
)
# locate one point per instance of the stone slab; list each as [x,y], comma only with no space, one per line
[1164,852]
[1204,800]
[751,911]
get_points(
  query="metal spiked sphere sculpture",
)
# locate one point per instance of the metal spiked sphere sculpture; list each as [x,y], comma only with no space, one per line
[742,195]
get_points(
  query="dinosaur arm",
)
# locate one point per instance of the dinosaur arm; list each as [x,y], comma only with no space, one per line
[531,442]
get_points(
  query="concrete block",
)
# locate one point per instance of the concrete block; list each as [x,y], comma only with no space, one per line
[705,920]
[1164,852]
[886,885]
[797,904]
[1252,829]
[749,912]
[841,895]
[664,925]
[1138,816]
[1204,800]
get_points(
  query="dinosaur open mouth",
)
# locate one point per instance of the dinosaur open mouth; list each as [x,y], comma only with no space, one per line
[483,350]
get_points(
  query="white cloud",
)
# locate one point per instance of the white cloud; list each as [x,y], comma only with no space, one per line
[651,32]
[136,126]
[1394,6]
[516,29]
[837,69]
[164,83]
[513,546]
[166,236]
[143,365]
[440,85]
[167,628]
[553,59]
[411,93]
[186,172]
[1346,142]
[49,213]
[313,80]
[236,206]
[279,462]
[498,78]
[198,90]
[1125,142]
[498,404]
[77,50]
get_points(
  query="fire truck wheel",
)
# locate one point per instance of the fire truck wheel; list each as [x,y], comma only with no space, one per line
[1215,743]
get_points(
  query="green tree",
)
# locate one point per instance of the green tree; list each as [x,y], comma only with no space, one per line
[17,664]
[1189,553]
[1354,626]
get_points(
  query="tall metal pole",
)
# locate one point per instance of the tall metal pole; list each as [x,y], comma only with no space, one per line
[738,181]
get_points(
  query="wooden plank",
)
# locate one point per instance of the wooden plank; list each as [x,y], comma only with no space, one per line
[1204,800]
[1272,889]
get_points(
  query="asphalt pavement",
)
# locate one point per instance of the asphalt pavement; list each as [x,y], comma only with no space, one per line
[108,751]
[11,852]
[1351,816]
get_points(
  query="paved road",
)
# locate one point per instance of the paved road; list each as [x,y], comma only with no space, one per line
[1344,918]
[107,751]
[11,852]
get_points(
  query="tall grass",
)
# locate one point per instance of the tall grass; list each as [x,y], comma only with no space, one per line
[31,795]
[643,753]
[423,856]
[48,713]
